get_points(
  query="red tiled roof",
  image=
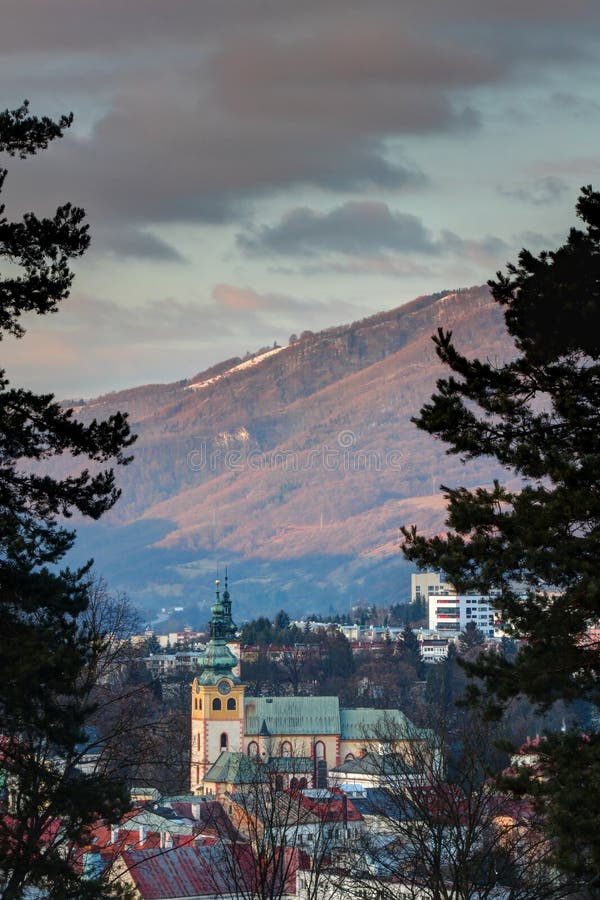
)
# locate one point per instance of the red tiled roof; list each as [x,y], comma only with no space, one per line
[331,809]
[188,871]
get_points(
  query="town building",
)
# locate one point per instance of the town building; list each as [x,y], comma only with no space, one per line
[425,583]
[433,646]
[453,612]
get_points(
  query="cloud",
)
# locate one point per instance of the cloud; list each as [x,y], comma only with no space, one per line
[194,110]
[128,242]
[246,304]
[542,192]
[238,299]
[103,25]
[386,266]
[574,104]
[217,114]
[357,227]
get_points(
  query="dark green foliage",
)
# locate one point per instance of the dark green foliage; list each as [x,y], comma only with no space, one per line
[539,544]
[570,799]
[44,694]
[281,620]
[471,642]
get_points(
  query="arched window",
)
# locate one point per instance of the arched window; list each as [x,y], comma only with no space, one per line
[199,739]
[348,756]
[216,704]
[224,742]
[195,703]
[252,748]
[286,749]
[199,702]
[320,752]
[231,703]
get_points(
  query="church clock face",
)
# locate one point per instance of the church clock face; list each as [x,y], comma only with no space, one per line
[224,687]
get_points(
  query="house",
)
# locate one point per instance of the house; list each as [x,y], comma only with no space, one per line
[198,872]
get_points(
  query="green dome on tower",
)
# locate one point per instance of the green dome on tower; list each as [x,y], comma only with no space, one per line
[217,661]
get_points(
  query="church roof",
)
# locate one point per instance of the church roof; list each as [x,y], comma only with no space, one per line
[233,768]
[384,766]
[379,724]
[292,715]
[291,765]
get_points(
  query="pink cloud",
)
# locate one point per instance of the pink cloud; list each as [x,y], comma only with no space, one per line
[235,298]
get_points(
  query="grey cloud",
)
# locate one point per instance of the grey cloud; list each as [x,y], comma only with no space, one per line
[134,243]
[30,25]
[487,249]
[354,228]
[202,133]
[576,105]
[542,192]
[196,164]
[207,106]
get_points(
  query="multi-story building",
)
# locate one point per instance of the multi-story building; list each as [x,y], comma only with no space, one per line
[426,583]
[453,612]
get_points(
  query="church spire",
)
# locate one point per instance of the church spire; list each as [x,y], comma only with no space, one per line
[218,660]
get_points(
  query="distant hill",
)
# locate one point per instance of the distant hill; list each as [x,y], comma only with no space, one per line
[296,467]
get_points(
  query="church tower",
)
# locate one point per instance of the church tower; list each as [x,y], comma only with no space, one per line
[217,696]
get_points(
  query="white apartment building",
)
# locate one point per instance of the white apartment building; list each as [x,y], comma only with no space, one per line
[453,612]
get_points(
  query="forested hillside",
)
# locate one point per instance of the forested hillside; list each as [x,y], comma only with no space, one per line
[301,459]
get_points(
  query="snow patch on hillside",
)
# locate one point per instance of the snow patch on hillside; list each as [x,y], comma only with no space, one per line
[247,364]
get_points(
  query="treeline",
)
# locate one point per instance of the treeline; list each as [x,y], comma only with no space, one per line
[280,630]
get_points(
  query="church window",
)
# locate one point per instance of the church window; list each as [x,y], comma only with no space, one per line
[224,742]
[286,749]
[231,704]
[320,750]
[199,739]
[199,702]
[195,703]
[252,748]
[216,704]
[348,756]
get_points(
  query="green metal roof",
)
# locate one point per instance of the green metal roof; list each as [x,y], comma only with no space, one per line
[292,715]
[234,768]
[377,724]
[291,765]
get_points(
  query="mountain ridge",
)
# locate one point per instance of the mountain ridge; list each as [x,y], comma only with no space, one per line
[302,452]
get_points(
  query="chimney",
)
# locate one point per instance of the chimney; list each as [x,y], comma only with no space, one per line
[143,830]
[166,840]
[114,834]
[196,811]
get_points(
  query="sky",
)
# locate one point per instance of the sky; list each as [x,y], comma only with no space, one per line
[255,168]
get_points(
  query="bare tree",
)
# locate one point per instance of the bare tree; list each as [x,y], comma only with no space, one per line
[439,829]
[134,734]
[47,807]
[287,834]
